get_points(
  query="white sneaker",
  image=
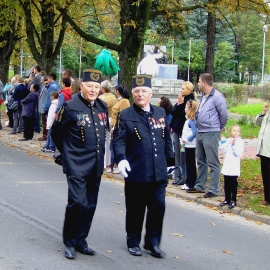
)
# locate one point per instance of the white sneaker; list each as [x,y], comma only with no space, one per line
[185,187]
[115,170]
[109,171]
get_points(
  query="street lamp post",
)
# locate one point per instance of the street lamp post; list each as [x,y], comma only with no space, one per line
[265,29]
[189,53]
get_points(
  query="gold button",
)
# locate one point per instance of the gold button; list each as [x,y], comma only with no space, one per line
[98,135]
[96,129]
[98,151]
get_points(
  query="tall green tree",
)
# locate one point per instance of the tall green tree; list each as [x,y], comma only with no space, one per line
[10,25]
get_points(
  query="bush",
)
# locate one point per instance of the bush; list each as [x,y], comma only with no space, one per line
[234,93]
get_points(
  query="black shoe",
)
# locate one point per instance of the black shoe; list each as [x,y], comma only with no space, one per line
[232,204]
[224,203]
[12,133]
[194,190]
[209,195]
[70,253]
[24,139]
[135,251]
[155,251]
[86,250]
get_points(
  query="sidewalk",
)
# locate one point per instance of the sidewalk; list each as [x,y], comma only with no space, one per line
[34,147]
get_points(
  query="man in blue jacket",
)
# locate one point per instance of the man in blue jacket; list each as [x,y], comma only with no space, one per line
[211,119]
[53,86]
[143,150]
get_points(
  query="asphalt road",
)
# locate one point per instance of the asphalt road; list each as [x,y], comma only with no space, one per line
[33,195]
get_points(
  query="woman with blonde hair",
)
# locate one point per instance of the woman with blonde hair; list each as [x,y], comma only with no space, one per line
[178,120]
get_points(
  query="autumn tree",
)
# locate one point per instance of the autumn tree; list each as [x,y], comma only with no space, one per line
[45,30]
[10,24]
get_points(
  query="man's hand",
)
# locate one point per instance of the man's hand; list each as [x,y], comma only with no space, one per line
[124,166]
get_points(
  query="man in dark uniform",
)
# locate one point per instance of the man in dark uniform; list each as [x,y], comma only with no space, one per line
[142,147]
[79,135]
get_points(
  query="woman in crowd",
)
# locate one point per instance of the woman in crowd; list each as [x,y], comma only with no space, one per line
[109,98]
[29,109]
[75,87]
[178,120]
[166,104]
[20,92]
[263,149]
[122,103]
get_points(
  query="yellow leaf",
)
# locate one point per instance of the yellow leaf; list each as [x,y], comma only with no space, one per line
[117,202]
[109,251]
[176,257]
[227,251]
[177,234]
[258,222]
[214,224]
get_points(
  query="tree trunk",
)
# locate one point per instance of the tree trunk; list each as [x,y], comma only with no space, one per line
[8,37]
[132,37]
[210,40]
[43,44]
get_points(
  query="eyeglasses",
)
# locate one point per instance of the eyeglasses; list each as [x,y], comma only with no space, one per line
[141,91]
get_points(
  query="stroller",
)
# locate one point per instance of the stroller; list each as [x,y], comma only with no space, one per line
[171,172]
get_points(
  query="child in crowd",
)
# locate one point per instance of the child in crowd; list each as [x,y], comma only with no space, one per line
[188,140]
[50,146]
[233,148]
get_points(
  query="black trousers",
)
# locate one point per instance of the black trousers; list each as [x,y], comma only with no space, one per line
[191,167]
[10,118]
[138,197]
[29,123]
[265,169]
[230,188]
[82,201]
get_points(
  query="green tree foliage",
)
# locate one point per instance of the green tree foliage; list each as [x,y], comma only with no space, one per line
[224,62]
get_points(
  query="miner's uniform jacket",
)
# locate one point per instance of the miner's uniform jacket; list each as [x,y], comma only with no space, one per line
[79,134]
[143,139]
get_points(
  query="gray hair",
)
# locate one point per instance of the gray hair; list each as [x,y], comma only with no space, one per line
[106,85]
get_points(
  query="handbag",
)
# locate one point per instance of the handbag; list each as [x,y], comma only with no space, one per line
[13,105]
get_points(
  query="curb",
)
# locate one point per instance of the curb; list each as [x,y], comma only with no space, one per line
[198,198]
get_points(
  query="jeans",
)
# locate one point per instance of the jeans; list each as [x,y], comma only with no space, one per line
[18,125]
[207,155]
[49,141]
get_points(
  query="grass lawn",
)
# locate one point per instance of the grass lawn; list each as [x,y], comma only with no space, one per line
[247,130]
[250,188]
[247,109]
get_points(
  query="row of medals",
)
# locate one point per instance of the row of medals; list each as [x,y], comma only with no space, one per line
[84,119]
[158,123]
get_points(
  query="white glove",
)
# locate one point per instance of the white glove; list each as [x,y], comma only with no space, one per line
[124,166]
